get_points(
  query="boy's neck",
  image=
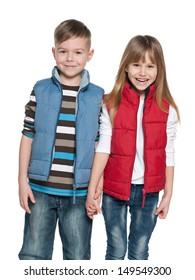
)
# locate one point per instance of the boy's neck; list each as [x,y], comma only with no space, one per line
[67,87]
[70,81]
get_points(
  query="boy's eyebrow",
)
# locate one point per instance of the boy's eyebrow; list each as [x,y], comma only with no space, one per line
[61,48]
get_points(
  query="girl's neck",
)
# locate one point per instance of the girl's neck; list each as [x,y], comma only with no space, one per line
[141,93]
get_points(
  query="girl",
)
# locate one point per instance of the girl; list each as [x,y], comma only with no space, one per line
[138,127]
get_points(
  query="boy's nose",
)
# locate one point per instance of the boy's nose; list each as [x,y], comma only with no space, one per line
[69,57]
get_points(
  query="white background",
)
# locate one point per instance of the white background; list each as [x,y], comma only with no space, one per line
[26,30]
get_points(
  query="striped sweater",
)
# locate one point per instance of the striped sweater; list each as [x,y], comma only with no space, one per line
[61,177]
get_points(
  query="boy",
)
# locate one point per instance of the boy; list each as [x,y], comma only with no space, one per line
[57,150]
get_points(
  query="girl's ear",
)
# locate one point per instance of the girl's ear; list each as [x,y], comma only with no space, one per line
[126,68]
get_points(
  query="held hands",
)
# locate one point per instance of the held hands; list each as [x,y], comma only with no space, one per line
[93,201]
[93,205]
[25,193]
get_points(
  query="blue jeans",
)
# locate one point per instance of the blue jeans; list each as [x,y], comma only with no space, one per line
[39,231]
[142,223]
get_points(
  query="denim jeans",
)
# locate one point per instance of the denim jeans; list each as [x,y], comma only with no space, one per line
[39,230]
[142,223]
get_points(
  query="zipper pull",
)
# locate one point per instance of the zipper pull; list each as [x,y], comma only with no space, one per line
[143,197]
[74,195]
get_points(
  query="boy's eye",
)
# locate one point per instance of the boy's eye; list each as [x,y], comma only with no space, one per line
[78,52]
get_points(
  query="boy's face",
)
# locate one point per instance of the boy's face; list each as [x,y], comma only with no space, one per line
[71,57]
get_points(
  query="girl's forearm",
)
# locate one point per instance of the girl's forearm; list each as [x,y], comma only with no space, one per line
[169,180]
[99,164]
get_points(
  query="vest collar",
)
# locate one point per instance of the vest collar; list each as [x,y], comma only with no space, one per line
[132,95]
[85,78]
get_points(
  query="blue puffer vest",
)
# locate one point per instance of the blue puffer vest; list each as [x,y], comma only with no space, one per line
[48,94]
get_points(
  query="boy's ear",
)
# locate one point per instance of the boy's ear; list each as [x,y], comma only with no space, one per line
[90,55]
[54,54]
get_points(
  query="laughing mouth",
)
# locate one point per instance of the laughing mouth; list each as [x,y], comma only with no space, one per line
[142,80]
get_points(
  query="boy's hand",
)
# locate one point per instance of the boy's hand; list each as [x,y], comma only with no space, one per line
[25,193]
[91,211]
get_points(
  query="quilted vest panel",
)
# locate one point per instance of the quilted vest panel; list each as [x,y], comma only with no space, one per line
[119,169]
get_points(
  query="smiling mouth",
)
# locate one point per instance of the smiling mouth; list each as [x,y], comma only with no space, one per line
[142,80]
[70,66]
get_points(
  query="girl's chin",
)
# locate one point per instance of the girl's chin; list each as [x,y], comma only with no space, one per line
[141,88]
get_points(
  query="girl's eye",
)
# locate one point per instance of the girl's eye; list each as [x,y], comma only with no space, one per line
[136,65]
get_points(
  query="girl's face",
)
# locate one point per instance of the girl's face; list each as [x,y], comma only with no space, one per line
[142,74]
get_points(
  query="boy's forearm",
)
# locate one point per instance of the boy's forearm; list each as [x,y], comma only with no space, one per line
[24,158]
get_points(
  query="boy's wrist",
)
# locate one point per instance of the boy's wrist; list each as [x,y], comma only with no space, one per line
[22,180]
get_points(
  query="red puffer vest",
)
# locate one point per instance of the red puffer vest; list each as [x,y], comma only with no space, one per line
[118,171]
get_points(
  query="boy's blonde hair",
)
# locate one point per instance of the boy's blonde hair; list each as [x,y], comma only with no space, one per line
[71,28]
[134,52]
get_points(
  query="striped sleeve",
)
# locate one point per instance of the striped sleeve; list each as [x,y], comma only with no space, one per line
[28,128]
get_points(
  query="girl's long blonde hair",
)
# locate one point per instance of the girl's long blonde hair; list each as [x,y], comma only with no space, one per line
[134,52]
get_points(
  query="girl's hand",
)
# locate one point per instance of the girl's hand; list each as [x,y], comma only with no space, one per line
[163,208]
[98,193]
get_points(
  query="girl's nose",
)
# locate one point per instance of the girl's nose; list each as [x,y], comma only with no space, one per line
[143,71]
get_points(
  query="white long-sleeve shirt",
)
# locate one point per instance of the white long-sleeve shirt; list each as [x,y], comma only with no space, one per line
[139,167]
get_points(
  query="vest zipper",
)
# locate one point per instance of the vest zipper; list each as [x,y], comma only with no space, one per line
[53,145]
[143,125]
[135,148]
[76,111]
[74,165]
